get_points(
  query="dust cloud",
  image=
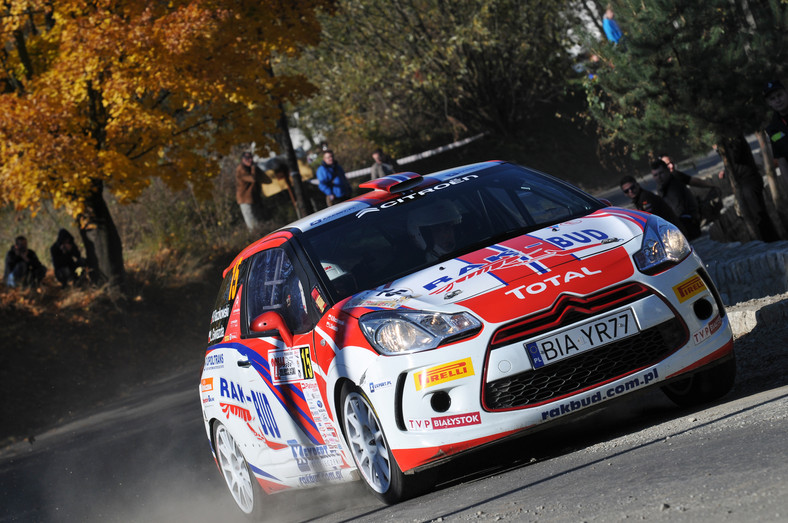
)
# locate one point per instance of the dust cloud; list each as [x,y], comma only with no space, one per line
[143,458]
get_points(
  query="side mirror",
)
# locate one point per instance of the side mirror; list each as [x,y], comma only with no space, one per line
[272,322]
[607,202]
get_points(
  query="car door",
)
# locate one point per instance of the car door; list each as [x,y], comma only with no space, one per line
[302,446]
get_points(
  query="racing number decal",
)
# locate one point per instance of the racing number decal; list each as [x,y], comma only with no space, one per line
[306,361]
[234,281]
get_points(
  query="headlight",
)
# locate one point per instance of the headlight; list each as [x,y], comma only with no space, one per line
[663,245]
[400,332]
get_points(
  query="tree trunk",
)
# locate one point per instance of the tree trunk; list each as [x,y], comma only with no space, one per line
[777,184]
[103,246]
[747,185]
[778,189]
[302,208]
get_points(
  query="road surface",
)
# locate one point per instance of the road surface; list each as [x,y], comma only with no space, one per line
[146,458]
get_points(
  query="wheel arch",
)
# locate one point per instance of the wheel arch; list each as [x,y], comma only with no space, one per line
[211,436]
[337,402]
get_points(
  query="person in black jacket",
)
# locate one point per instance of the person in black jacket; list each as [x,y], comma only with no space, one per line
[644,200]
[66,258]
[22,266]
[679,197]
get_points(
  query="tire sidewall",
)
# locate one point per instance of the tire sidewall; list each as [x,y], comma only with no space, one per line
[257,492]
[397,485]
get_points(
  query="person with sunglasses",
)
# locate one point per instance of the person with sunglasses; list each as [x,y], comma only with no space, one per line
[647,201]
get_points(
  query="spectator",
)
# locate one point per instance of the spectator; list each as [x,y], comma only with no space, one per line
[710,205]
[777,99]
[22,267]
[749,186]
[647,201]
[383,166]
[332,179]
[248,191]
[609,24]
[685,178]
[678,197]
[66,258]
[281,172]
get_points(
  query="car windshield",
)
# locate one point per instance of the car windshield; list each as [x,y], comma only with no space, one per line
[365,250]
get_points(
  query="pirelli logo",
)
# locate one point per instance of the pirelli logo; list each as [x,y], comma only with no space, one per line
[443,373]
[689,288]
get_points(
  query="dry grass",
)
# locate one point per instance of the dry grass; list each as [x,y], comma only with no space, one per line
[66,350]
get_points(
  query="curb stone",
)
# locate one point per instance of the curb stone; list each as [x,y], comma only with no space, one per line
[745,271]
[752,279]
[745,317]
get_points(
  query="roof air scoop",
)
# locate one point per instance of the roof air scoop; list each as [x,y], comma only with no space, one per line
[394,183]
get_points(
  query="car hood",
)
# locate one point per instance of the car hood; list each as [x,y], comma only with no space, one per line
[519,275]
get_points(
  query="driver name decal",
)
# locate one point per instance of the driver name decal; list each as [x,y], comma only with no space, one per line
[290,365]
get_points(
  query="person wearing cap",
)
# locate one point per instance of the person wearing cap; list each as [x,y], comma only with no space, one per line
[776,98]
[248,191]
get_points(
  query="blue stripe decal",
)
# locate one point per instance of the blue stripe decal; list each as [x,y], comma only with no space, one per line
[260,364]
[261,472]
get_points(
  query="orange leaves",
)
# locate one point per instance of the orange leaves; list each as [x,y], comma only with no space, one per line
[126,90]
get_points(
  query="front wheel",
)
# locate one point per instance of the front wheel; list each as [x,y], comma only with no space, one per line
[704,386]
[370,450]
[240,480]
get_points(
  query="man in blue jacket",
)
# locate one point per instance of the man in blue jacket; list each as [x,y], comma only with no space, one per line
[332,179]
[609,24]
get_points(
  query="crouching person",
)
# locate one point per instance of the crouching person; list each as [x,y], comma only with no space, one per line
[66,258]
[22,266]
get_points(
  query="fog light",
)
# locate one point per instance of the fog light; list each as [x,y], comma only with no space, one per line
[440,401]
[703,309]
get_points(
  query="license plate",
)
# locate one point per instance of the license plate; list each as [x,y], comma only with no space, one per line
[580,338]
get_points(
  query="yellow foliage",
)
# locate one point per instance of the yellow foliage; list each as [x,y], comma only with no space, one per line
[125,90]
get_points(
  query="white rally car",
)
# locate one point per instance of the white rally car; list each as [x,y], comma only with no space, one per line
[385,335]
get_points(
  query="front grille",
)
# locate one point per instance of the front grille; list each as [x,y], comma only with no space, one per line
[586,369]
[569,309]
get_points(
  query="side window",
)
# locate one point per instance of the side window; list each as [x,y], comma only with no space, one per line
[224,301]
[273,285]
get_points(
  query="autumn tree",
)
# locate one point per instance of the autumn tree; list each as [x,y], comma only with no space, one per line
[690,71]
[402,71]
[110,94]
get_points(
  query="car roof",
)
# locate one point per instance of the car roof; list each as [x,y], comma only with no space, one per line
[386,189]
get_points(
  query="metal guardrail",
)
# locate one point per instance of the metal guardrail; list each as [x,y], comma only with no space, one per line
[418,156]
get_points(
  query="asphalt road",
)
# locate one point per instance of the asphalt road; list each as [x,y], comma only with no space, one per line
[146,458]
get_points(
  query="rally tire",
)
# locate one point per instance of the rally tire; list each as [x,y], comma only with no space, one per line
[237,475]
[369,447]
[704,386]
